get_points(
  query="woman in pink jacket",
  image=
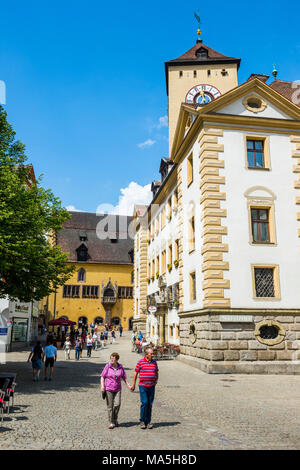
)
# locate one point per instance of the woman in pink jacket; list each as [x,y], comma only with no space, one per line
[111,383]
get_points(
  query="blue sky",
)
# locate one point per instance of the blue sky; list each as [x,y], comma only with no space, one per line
[85,81]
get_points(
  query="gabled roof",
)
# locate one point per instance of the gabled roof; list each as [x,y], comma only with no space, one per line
[192,57]
[281,99]
[99,251]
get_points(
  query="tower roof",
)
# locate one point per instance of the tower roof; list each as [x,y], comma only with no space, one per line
[200,54]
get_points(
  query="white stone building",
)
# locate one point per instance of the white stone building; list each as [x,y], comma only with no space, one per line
[233,174]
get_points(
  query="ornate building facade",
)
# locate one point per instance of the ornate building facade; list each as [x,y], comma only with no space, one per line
[222,231]
[101,288]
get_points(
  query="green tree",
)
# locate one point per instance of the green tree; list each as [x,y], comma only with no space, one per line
[31,267]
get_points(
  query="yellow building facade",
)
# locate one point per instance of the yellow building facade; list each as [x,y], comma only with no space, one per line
[101,287]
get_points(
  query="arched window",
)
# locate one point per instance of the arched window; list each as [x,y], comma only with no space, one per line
[115,321]
[81,275]
[99,320]
[109,293]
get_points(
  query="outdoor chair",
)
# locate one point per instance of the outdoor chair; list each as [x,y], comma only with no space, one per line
[4,394]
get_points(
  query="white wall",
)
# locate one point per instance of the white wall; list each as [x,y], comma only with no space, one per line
[280,180]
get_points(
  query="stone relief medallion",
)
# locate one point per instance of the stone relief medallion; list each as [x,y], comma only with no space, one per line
[192,333]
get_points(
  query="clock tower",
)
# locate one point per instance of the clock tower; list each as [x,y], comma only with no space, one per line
[197,77]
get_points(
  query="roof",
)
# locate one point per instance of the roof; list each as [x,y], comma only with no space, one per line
[190,57]
[260,76]
[99,251]
[286,89]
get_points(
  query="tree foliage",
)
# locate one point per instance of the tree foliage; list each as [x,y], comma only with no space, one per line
[31,267]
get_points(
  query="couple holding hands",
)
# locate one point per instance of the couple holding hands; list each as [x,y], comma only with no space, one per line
[111,378]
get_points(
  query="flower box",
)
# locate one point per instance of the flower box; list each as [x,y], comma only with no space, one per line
[169,267]
[176,263]
[157,275]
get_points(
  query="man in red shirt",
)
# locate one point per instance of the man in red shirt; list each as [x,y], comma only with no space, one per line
[148,370]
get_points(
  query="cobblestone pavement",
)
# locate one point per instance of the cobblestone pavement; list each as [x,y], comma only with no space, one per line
[192,410]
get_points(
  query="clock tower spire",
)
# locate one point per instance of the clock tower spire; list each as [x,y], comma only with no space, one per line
[197,77]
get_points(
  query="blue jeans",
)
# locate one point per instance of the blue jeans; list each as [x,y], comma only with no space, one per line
[146,397]
[77,353]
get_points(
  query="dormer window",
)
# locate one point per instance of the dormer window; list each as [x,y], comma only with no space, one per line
[202,53]
[83,238]
[82,253]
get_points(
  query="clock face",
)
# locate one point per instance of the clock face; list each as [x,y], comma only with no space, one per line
[202,94]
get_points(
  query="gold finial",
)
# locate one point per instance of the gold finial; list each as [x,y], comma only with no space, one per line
[199,32]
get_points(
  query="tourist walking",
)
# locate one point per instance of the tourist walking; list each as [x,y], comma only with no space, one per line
[51,357]
[111,383]
[89,345]
[105,336]
[67,347]
[148,376]
[102,338]
[78,348]
[121,330]
[133,340]
[95,341]
[36,356]
[112,337]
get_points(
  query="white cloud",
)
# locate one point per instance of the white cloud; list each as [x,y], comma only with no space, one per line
[73,209]
[133,194]
[163,122]
[147,143]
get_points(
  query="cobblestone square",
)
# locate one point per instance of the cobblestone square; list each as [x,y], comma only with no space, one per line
[192,410]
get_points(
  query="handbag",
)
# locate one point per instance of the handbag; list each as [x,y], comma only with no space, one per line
[104,394]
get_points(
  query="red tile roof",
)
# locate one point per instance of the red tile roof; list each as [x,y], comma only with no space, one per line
[260,76]
[287,89]
[191,54]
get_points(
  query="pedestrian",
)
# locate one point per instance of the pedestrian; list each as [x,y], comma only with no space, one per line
[140,336]
[133,339]
[51,357]
[105,336]
[89,345]
[76,333]
[37,357]
[121,330]
[92,327]
[111,383]
[113,337]
[78,345]
[67,347]
[138,345]
[95,340]
[102,338]
[148,376]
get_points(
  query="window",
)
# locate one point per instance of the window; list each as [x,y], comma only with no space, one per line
[132,277]
[82,253]
[90,292]
[170,257]
[125,292]
[208,73]
[137,242]
[255,153]
[260,225]
[169,208]
[190,170]
[83,238]
[81,275]
[163,218]
[192,287]
[163,262]
[195,73]
[180,73]
[157,266]
[175,199]
[176,254]
[191,234]
[71,291]
[266,282]
[137,277]
[153,269]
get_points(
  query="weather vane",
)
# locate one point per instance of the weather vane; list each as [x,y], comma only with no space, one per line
[196,13]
